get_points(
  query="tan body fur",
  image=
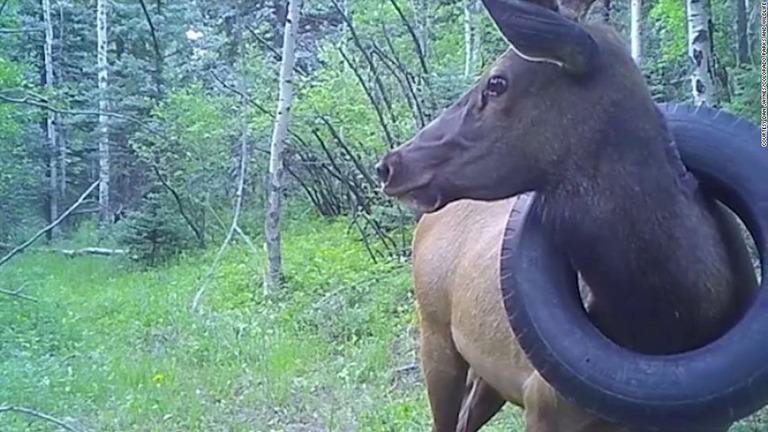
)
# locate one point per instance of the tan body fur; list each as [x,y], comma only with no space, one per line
[464,325]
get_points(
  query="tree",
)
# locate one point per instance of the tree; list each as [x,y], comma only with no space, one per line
[276,168]
[470,36]
[636,20]
[101,35]
[700,52]
[50,126]
[423,21]
[741,32]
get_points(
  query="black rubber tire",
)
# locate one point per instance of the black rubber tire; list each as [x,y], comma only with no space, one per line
[701,389]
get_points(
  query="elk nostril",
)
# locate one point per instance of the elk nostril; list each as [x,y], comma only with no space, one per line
[382,171]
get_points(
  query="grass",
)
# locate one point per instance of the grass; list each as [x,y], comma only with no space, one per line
[109,347]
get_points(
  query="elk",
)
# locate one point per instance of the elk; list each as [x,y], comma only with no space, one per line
[560,153]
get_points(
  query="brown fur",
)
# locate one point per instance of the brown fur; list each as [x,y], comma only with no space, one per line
[463,324]
[660,258]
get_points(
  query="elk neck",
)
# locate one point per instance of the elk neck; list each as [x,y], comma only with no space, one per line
[634,223]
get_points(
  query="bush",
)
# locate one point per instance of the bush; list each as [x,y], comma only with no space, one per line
[156,232]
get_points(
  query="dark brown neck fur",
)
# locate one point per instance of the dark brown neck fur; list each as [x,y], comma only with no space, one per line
[637,227]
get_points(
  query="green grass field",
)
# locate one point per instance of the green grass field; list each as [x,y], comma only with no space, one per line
[108,347]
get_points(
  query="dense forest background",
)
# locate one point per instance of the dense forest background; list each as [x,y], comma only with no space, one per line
[157,119]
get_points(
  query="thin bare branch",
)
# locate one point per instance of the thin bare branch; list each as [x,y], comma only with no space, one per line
[18,293]
[26,100]
[155,43]
[2,7]
[53,224]
[355,160]
[192,225]
[416,44]
[274,51]
[235,217]
[39,415]
[255,104]
[410,77]
[21,30]
[158,72]
[414,101]
[239,231]
[368,92]
[371,65]
[404,85]
[39,102]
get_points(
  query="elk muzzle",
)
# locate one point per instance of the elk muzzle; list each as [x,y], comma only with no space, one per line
[406,174]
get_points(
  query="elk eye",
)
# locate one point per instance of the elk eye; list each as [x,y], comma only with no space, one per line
[496,86]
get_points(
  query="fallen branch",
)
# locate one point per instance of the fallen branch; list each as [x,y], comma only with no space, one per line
[21,30]
[53,225]
[90,251]
[37,414]
[18,293]
[77,252]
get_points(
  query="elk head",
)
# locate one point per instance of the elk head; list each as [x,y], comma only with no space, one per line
[541,104]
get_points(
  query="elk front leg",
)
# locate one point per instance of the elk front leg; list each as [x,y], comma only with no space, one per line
[445,373]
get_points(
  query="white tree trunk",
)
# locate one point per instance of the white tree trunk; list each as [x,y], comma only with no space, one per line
[470,37]
[50,120]
[467,38]
[348,12]
[421,11]
[699,51]
[275,186]
[60,132]
[636,20]
[101,30]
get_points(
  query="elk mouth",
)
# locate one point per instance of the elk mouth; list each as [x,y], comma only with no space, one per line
[425,197]
[411,185]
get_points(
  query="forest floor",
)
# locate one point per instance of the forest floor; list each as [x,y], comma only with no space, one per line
[110,347]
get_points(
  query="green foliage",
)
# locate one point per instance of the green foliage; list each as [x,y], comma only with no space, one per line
[355,118]
[198,128]
[155,232]
[110,348]
[117,349]
[18,176]
[668,18]
[191,155]
[114,345]
[746,92]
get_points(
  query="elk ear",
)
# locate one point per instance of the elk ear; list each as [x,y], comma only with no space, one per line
[539,33]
